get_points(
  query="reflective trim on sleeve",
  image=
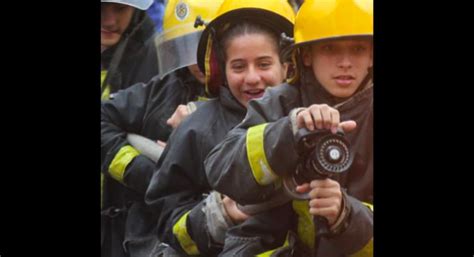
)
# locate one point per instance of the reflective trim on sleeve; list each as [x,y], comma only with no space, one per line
[270,252]
[118,165]
[306,228]
[106,90]
[367,251]
[106,94]
[261,171]
[181,233]
[371,207]
[202,99]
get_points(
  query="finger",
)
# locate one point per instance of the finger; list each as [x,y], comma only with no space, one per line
[326,116]
[306,120]
[169,121]
[317,117]
[324,183]
[325,192]
[324,202]
[347,125]
[335,119]
[182,110]
[300,121]
[303,188]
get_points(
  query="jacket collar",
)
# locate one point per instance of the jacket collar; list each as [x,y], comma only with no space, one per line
[230,102]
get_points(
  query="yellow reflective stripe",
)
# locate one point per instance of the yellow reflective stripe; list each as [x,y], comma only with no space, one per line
[262,172]
[306,228]
[202,99]
[118,165]
[367,251]
[103,75]
[105,96]
[371,207]
[270,252]
[181,233]
[106,92]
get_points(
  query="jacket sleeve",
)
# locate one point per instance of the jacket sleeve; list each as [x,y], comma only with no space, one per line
[255,153]
[175,194]
[357,238]
[121,115]
[260,233]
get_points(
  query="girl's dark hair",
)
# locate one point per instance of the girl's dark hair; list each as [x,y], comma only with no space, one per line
[246,28]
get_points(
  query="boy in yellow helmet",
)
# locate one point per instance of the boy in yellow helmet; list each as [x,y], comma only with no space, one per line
[333,83]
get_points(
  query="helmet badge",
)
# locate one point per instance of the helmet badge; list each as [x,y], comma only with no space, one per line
[181,11]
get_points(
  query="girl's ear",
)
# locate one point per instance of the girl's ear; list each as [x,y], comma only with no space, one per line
[285,69]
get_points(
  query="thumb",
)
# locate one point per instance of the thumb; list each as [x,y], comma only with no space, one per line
[170,121]
[347,125]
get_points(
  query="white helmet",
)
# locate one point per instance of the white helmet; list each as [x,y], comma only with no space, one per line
[139,4]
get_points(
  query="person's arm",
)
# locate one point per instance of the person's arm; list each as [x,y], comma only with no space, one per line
[255,153]
[356,232]
[183,111]
[121,115]
[349,220]
[187,220]
[262,148]
[260,234]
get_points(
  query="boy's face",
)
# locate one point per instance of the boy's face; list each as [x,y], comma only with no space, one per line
[114,20]
[340,65]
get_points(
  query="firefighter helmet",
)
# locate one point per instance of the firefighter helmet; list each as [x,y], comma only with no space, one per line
[178,41]
[139,4]
[331,19]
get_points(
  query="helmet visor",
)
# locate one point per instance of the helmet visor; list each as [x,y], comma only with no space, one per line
[176,53]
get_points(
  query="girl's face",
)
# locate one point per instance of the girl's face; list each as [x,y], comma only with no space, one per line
[252,64]
[114,20]
[340,65]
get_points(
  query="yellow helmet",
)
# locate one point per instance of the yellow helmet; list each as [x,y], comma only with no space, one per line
[177,43]
[329,19]
[278,15]
[319,20]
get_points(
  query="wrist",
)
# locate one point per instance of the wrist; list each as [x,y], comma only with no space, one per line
[342,220]
[293,114]
[217,219]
